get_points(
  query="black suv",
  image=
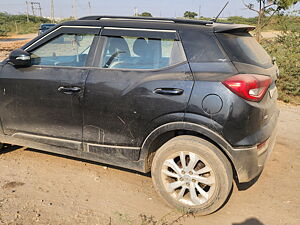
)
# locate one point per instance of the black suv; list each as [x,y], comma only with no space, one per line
[194,102]
[44,27]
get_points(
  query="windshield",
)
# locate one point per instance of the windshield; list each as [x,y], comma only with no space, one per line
[242,47]
[45,27]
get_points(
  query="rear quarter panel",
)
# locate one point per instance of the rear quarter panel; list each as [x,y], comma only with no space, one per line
[240,122]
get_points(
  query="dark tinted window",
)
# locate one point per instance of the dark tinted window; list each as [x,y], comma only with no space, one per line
[201,46]
[242,47]
[141,53]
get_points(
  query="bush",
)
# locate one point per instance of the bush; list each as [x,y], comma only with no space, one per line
[286,49]
[18,24]
[240,20]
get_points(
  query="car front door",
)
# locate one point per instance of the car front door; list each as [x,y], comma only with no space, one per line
[42,102]
[140,81]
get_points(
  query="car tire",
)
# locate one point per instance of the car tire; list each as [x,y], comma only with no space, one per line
[203,185]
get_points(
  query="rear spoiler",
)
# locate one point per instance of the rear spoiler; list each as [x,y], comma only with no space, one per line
[227,28]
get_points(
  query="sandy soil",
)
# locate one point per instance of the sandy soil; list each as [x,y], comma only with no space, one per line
[270,34]
[17,41]
[40,188]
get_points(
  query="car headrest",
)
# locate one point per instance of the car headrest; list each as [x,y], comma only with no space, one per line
[140,47]
[118,44]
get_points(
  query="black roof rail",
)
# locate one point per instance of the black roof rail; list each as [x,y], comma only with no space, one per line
[157,19]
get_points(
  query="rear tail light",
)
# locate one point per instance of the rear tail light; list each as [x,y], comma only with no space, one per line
[263,144]
[262,147]
[251,87]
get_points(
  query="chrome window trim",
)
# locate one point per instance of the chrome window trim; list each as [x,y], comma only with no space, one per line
[144,70]
[139,29]
[42,38]
[145,20]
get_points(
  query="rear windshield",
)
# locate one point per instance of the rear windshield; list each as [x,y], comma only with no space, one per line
[242,47]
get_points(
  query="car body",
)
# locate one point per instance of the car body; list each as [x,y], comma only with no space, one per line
[117,90]
[45,26]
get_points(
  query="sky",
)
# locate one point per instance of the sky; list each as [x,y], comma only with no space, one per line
[163,8]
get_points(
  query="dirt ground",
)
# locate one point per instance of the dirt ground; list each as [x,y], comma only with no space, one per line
[270,34]
[7,44]
[40,188]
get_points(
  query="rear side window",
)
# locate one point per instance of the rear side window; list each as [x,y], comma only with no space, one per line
[242,47]
[124,52]
[201,46]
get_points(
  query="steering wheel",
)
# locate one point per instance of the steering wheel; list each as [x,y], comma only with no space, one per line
[111,59]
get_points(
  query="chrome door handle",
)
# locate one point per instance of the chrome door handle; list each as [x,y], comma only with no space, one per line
[69,90]
[168,91]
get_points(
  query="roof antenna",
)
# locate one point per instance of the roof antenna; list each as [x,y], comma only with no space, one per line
[215,19]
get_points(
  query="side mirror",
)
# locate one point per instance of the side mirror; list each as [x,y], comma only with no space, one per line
[20,58]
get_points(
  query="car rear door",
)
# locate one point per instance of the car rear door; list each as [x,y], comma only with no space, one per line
[43,102]
[141,80]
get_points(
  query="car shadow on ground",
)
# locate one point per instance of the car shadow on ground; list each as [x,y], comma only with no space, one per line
[251,221]
[9,148]
[245,186]
[89,161]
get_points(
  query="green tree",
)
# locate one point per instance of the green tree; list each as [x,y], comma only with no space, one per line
[146,14]
[266,9]
[189,14]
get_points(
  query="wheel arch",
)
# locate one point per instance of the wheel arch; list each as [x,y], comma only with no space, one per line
[164,133]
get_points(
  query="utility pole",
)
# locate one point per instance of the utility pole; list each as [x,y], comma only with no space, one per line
[199,11]
[16,27]
[52,11]
[74,7]
[90,8]
[32,8]
[27,11]
[136,11]
[40,8]
[36,6]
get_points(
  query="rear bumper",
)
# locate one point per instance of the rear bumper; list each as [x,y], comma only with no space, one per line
[249,162]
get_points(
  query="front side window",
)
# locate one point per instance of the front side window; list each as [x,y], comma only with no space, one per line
[64,50]
[141,53]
